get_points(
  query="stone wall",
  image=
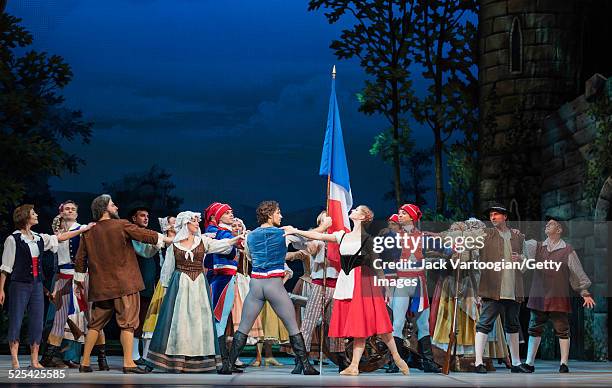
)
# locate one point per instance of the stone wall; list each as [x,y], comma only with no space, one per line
[513,104]
[566,144]
[534,144]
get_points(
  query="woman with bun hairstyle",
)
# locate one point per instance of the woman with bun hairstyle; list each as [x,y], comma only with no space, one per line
[359,308]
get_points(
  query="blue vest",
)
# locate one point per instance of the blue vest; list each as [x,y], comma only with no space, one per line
[268,250]
[222,264]
[22,269]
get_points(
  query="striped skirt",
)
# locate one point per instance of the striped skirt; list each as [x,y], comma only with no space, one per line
[68,307]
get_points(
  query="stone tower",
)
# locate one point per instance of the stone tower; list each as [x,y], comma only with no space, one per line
[537,133]
[529,65]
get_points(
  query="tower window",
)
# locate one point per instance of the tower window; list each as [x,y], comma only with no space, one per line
[516,47]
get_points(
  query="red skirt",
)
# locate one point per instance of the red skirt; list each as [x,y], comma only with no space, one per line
[363,316]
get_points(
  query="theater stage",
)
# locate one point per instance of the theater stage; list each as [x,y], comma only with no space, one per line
[546,375]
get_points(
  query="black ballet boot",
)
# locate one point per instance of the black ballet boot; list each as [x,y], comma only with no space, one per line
[342,363]
[392,368]
[299,348]
[102,363]
[414,361]
[225,355]
[237,346]
[51,358]
[429,366]
[298,369]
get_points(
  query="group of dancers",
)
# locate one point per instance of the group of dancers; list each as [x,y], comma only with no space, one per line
[182,293]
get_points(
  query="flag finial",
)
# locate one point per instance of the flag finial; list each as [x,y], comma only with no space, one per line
[334,72]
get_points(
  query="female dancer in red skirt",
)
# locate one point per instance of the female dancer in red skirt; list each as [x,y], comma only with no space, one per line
[359,305]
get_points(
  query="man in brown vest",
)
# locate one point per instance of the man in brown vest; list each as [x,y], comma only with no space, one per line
[549,295]
[501,291]
[114,276]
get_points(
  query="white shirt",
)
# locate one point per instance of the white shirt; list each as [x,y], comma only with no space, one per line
[63,250]
[508,276]
[317,264]
[8,255]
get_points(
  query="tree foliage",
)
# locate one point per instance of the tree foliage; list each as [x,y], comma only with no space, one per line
[400,43]
[34,121]
[417,167]
[380,40]
[152,188]
[444,46]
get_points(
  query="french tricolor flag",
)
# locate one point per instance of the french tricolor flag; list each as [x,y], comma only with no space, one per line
[334,166]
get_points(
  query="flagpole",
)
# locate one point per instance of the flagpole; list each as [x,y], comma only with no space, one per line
[321,334]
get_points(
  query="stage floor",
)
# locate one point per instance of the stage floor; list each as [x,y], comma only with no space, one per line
[582,374]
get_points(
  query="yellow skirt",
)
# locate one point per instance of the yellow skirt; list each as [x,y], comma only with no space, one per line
[466,327]
[273,327]
[466,324]
[153,311]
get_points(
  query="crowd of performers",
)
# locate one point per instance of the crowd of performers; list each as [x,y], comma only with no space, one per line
[187,300]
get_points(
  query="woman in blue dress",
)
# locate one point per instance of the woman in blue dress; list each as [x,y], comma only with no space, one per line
[184,339]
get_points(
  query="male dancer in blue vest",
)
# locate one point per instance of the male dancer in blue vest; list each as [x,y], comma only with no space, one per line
[267,248]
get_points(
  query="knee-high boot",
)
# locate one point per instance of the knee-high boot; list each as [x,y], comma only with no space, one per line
[429,365]
[225,354]
[237,346]
[299,348]
[297,370]
[52,358]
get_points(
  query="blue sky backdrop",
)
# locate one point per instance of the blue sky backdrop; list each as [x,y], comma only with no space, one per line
[230,97]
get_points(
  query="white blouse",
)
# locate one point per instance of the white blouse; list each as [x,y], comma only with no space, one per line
[345,285]
[211,245]
[8,255]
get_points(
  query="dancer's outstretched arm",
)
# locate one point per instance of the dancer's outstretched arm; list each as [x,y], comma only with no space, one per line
[73,233]
[289,230]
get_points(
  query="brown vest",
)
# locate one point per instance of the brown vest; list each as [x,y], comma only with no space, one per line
[549,290]
[493,251]
[191,268]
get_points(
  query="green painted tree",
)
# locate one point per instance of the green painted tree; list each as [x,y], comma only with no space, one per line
[400,43]
[417,167]
[34,121]
[379,38]
[152,188]
[443,45]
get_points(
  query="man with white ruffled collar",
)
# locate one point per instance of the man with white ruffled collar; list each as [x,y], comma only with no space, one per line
[549,297]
